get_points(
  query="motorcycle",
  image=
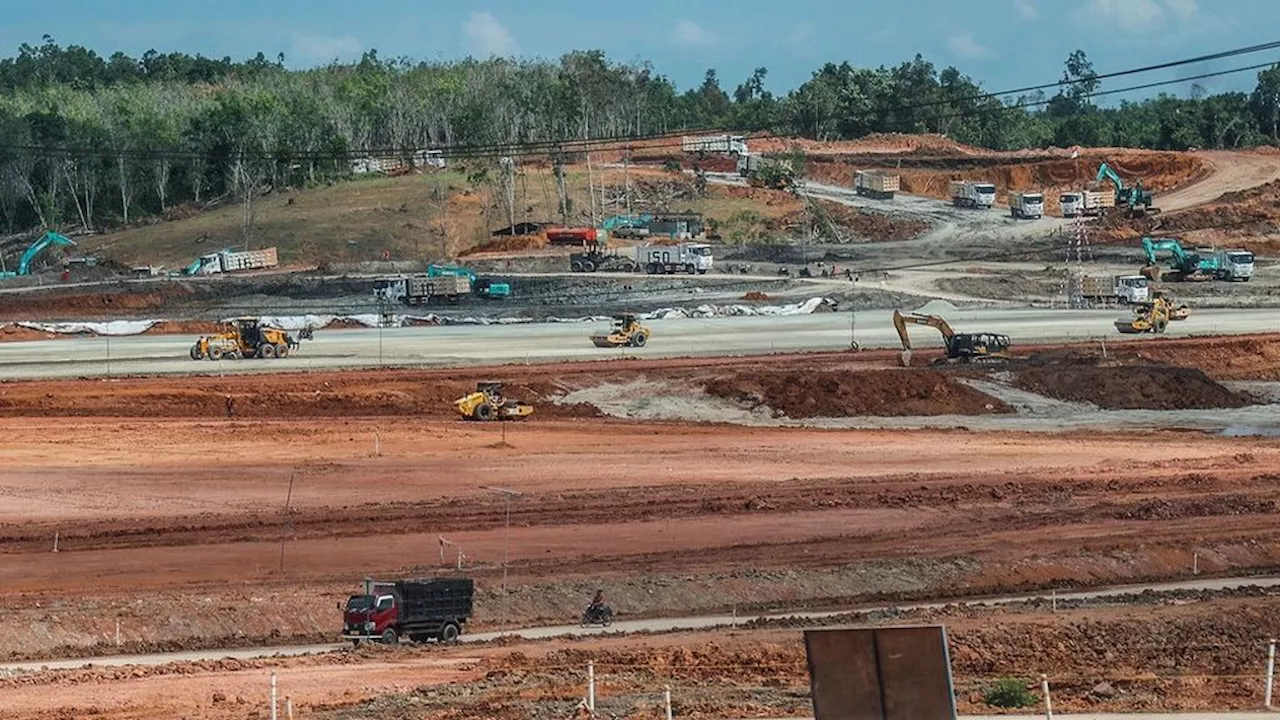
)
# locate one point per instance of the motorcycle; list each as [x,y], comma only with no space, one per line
[598,615]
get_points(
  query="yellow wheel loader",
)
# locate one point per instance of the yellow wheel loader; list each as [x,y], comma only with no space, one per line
[488,403]
[626,332]
[1148,317]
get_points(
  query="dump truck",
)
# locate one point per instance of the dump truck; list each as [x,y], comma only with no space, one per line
[767,172]
[668,259]
[489,403]
[568,236]
[876,185]
[421,610]
[970,194]
[1026,204]
[421,289]
[1085,203]
[1115,289]
[225,261]
[723,144]
[1230,265]
[626,332]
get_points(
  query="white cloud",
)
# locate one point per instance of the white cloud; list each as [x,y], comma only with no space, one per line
[1141,16]
[966,46]
[323,48]
[1026,9]
[486,36]
[801,34]
[1184,11]
[688,32]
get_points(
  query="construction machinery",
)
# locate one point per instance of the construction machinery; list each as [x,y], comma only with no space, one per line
[595,258]
[1148,317]
[1138,201]
[626,332]
[1204,263]
[961,347]
[970,194]
[247,337]
[767,172]
[488,403]
[49,239]
[225,261]
[484,287]
[877,185]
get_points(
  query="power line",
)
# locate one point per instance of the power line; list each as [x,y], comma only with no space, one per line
[1105,76]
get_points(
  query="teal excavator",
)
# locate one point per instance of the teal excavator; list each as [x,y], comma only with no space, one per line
[1136,199]
[49,239]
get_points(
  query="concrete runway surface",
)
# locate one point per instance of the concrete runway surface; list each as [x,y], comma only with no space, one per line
[629,626]
[462,345]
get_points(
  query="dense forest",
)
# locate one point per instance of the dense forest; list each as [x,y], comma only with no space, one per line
[88,142]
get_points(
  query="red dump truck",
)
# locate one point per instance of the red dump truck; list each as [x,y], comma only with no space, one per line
[421,610]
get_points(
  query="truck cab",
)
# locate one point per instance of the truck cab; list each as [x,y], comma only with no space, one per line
[985,195]
[370,616]
[1237,265]
[1133,288]
[1072,204]
[1028,205]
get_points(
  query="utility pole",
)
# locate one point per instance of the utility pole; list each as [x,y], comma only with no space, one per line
[626,174]
[506,546]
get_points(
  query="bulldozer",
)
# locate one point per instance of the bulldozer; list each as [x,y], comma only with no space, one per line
[1151,317]
[626,332]
[961,347]
[488,403]
[247,337]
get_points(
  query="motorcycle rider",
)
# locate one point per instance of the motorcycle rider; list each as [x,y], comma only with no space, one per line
[597,602]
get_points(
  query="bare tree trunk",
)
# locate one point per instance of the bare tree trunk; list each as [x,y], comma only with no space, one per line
[124,188]
[564,195]
[162,183]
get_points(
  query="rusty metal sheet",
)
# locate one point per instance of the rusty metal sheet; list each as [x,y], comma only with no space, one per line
[894,673]
[844,679]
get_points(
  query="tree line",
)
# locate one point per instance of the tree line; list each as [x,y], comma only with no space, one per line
[88,142]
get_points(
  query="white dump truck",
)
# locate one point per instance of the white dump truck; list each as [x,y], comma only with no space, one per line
[666,259]
[876,185]
[226,261]
[1026,204]
[723,144]
[421,289]
[971,194]
[1113,289]
[1085,203]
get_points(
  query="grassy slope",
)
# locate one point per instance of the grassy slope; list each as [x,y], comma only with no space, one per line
[358,220]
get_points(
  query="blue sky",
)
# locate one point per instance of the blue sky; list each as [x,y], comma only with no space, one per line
[1001,43]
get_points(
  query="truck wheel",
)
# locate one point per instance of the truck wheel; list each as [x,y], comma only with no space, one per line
[690,269]
[588,266]
[282,351]
[628,266]
[483,411]
[267,351]
[389,637]
[449,633]
[639,339]
[651,268]
[215,353]
[575,266]
[702,272]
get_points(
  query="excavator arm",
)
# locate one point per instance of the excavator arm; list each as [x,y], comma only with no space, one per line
[900,323]
[48,239]
[1106,173]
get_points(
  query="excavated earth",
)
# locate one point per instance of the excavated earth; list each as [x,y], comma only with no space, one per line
[186,529]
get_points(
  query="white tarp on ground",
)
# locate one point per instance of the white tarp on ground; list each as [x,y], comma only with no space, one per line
[297,322]
[111,327]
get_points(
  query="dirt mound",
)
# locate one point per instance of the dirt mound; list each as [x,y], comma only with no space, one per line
[1241,216]
[17,333]
[184,327]
[1174,509]
[852,224]
[755,295]
[26,306]
[826,393]
[514,243]
[1130,388]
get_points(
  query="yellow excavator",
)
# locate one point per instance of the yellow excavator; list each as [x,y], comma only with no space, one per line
[488,403]
[1152,317]
[961,347]
[626,332]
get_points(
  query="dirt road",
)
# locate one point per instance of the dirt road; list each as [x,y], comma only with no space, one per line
[1227,172]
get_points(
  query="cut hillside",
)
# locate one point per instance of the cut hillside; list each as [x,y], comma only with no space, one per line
[431,217]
